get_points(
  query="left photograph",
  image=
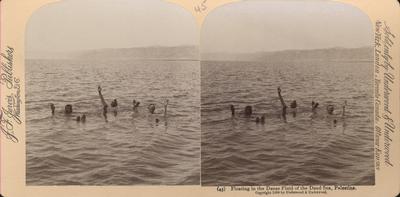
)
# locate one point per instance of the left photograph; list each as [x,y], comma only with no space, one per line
[112,94]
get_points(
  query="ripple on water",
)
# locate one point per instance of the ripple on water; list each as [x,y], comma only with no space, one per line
[129,149]
[305,150]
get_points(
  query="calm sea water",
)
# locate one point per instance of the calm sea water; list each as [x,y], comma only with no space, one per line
[130,148]
[307,149]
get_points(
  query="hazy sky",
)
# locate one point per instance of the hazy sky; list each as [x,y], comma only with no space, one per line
[256,25]
[70,25]
[263,25]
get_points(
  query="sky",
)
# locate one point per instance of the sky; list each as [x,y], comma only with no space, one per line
[75,25]
[264,25]
[247,26]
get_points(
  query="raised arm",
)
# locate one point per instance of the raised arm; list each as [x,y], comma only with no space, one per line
[281,98]
[101,97]
[283,104]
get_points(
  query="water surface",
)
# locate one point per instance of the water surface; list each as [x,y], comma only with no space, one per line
[306,149]
[130,148]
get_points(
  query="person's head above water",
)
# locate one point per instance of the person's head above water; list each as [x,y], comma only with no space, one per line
[114,103]
[68,109]
[330,109]
[248,110]
[152,108]
[83,118]
[293,104]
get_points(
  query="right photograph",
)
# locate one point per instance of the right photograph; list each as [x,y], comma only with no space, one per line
[287,94]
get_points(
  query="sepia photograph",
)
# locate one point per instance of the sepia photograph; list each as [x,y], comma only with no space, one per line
[112,94]
[199,98]
[287,94]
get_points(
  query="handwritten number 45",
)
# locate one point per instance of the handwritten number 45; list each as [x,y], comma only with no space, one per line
[221,188]
[202,7]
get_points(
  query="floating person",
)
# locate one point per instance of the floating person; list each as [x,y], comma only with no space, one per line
[248,111]
[135,105]
[78,119]
[330,109]
[114,103]
[105,106]
[157,120]
[68,109]
[53,108]
[233,110]
[331,113]
[284,106]
[151,108]
[260,119]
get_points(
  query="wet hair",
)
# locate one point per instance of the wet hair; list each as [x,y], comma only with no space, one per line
[157,120]
[114,103]
[293,104]
[248,110]
[68,109]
